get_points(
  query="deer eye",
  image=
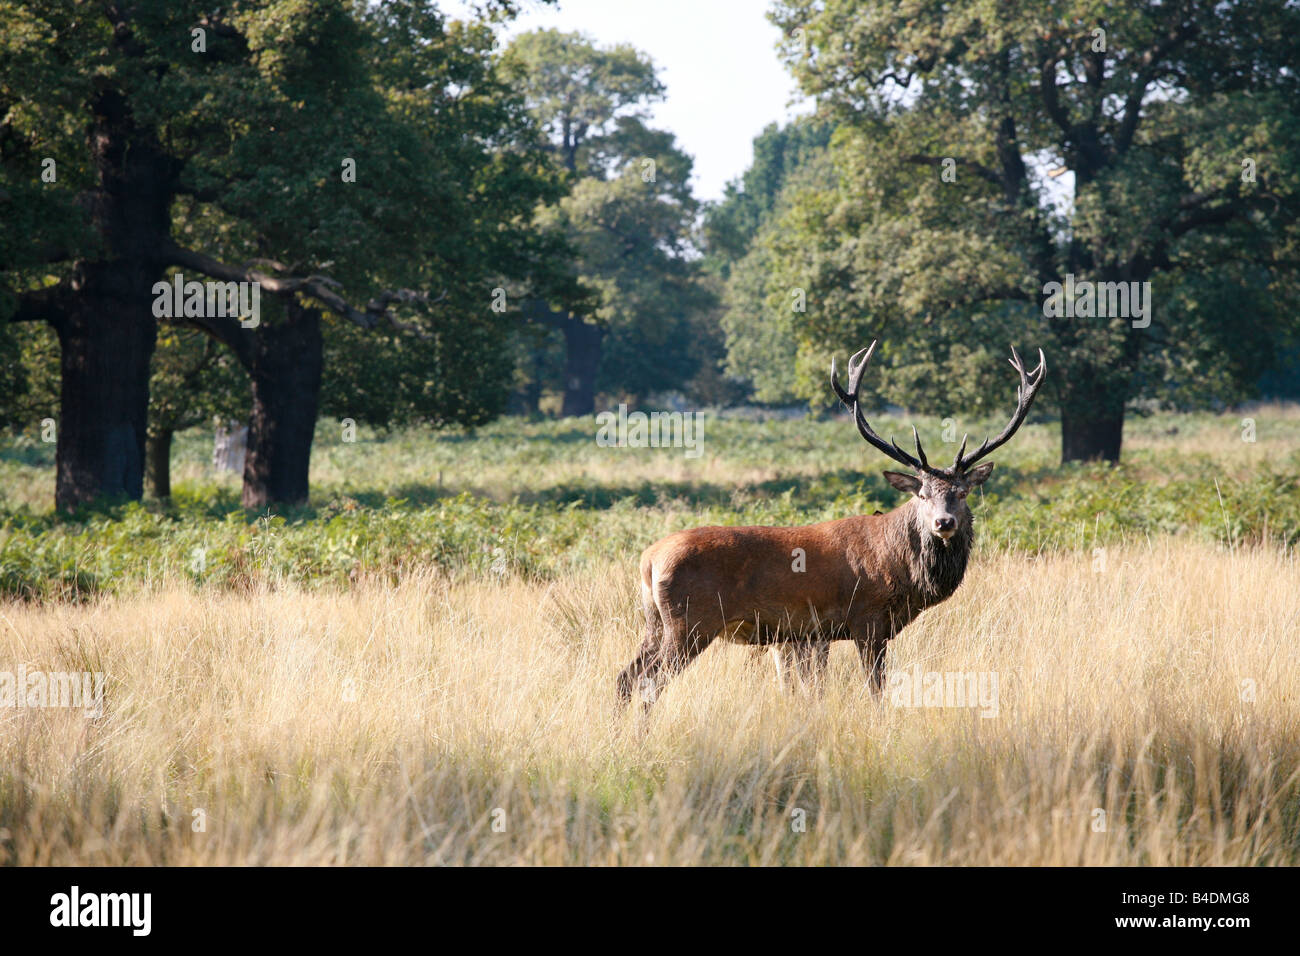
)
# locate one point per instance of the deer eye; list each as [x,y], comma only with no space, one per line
[920,495]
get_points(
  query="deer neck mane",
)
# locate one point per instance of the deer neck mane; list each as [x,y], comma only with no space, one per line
[935,567]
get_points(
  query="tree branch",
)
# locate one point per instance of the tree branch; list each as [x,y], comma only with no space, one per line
[1200,217]
[1051,98]
[47,304]
[1014,173]
[224,330]
[1149,68]
[318,287]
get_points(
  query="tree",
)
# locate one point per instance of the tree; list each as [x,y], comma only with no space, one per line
[629,216]
[1178,123]
[758,319]
[731,225]
[222,146]
[447,169]
[86,190]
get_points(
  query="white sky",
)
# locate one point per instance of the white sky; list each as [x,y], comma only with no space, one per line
[717,59]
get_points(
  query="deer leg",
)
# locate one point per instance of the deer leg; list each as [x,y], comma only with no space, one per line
[636,671]
[801,663]
[871,649]
[681,645]
[646,656]
[811,659]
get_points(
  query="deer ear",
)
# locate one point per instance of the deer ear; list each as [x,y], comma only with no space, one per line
[980,473]
[909,483]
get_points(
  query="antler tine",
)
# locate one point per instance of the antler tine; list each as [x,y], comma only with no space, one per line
[850,398]
[858,365]
[857,368]
[1025,394]
[842,395]
[1018,364]
[956,462]
[920,452]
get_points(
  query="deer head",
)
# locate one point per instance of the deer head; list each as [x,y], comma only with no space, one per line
[940,493]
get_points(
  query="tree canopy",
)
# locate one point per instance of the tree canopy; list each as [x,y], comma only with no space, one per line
[434,220]
[364,164]
[939,230]
[629,215]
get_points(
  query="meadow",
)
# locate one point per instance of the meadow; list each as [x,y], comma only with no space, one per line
[418,667]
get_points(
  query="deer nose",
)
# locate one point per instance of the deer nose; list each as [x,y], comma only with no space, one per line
[945,524]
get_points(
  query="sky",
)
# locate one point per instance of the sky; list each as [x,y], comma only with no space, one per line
[717,59]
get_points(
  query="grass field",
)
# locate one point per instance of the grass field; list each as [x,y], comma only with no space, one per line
[419,668]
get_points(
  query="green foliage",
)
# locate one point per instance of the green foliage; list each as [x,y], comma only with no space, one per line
[589,101]
[779,153]
[449,169]
[629,215]
[40,97]
[194,380]
[29,381]
[526,499]
[760,317]
[1153,128]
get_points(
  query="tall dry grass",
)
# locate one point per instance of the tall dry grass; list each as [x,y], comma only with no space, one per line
[476,723]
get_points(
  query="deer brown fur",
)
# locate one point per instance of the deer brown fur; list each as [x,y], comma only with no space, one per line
[861,578]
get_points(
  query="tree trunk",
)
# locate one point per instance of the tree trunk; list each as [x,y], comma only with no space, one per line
[582,346]
[107,333]
[1091,432]
[285,366]
[159,462]
[105,347]
[1092,399]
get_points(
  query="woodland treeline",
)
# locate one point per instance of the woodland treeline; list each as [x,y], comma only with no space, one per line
[445,225]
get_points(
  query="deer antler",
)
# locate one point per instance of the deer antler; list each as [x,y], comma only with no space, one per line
[857,366]
[1025,392]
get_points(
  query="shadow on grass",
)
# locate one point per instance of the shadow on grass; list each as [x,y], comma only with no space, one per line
[806,491]
[601,496]
[566,435]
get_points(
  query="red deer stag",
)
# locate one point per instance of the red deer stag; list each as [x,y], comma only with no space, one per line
[862,578]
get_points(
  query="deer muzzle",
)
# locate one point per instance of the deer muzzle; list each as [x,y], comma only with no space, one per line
[945,526]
